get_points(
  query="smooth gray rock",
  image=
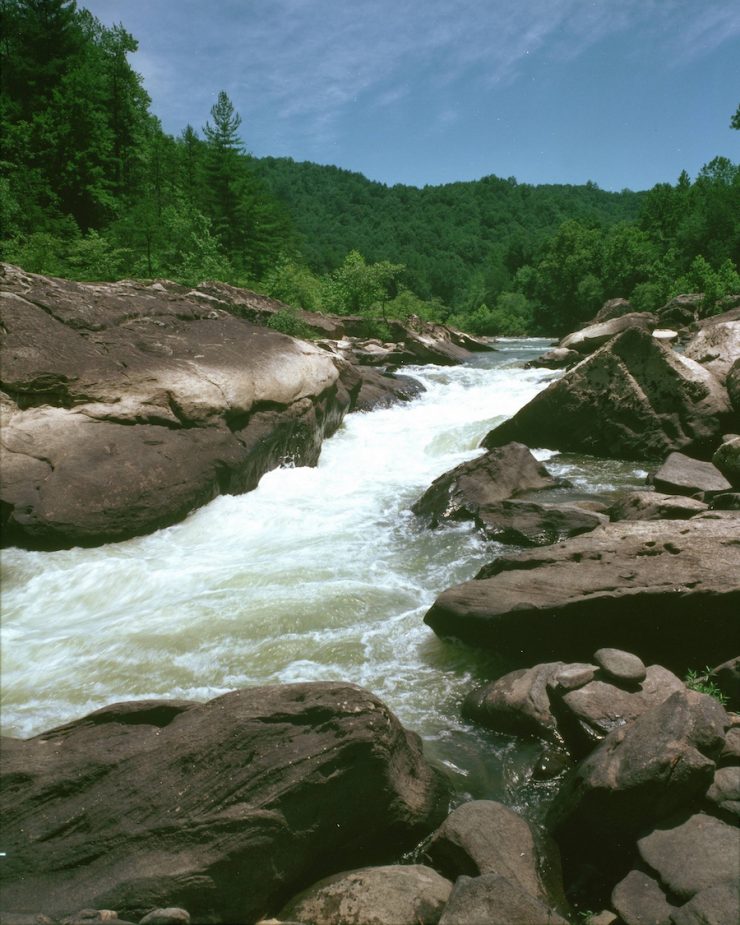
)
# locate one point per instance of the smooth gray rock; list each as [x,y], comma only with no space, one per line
[699,853]
[639,900]
[716,905]
[221,808]
[494,900]
[394,895]
[485,837]
[682,475]
[667,591]
[634,398]
[621,666]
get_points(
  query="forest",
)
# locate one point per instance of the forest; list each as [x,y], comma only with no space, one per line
[92,188]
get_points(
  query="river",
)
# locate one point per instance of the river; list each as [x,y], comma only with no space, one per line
[318,574]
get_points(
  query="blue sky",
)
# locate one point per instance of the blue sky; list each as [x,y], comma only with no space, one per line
[626,93]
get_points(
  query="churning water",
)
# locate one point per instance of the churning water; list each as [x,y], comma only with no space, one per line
[318,574]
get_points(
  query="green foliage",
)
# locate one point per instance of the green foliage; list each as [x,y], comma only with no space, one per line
[701,681]
[356,286]
[288,321]
[294,284]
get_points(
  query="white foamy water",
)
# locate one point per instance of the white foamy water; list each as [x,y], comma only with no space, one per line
[318,574]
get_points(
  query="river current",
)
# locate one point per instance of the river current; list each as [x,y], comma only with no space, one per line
[319,574]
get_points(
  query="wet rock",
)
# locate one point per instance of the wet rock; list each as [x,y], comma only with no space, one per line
[699,853]
[408,895]
[274,786]
[716,905]
[499,474]
[665,590]
[682,475]
[727,460]
[634,398]
[381,390]
[716,346]
[652,505]
[588,714]
[638,776]
[485,837]
[590,338]
[527,523]
[620,666]
[496,901]
[558,358]
[639,899]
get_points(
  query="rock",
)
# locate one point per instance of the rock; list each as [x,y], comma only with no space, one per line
[613,308]
[527,523]
[667,591]
[727,460]
[25,918]
[633,398]
[621,666]
[518,702]
[496,901]
[682,475]
[639,899]
[724,792]
[485,837]
[499,474]
[727,501]
[224,808]
[733,385]
[667,335]
[727,678]
[589,713]
[432,343]
[699,853]
[572,677]
[381,390]
[637,777]
[558,358]
[716,905]
[605,917]
[682,310]
[590,338]
[731,751]
[400,895]
[127,406]
[716,346]
[171,916]
[652,505]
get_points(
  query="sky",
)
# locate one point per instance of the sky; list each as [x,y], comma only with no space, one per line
[624,93]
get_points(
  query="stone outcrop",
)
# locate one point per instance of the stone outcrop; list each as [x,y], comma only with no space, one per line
[633,398]
[665,590]
[613,308]
[654,505]
[381,389]
[129,405]
[225,808]
[716,346]
[588,339]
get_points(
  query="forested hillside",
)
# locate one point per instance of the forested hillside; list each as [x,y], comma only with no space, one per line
[93,188]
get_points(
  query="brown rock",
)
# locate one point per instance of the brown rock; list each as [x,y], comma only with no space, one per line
[653,505]
[716,346]
[594,336]
[682,475]
[639,899]
[496,901]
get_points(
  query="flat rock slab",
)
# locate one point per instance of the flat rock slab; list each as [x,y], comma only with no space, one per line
[393,895]
[224,809]
[682,475]
[669,592]
[701,852]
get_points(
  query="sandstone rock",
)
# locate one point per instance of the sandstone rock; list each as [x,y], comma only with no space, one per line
[716,346]
[639,899]
[408,895]
[129,405]
[496,901]
[224,808]
[485,837]
[697,854]
[639,776]
[633,398]
[727,460]
[527,523]
[613,308]
[716,905]
[499,474]
[667,591]
[621,666]
[682,475]
[589,713]
[590,338]
[653,505]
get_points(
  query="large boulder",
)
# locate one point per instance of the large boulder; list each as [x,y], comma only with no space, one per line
[654,505]
[667,591]
[381,389]
[391,895]
[225,808]
[716,346]
[683,475]
[613,308]
[633,398]
[461,493]
[593,336]
[128,405]
[682,310]
[528,523]
[727,460]
[495,900]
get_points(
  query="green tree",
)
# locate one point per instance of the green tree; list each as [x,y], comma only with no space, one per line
[356,286]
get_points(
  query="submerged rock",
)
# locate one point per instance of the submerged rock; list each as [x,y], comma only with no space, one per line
[225,808]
